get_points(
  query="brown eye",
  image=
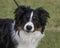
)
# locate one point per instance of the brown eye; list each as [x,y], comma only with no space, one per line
[34,17]
[27,16]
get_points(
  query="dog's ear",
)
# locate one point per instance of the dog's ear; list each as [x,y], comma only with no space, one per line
[20,10]
[43,15]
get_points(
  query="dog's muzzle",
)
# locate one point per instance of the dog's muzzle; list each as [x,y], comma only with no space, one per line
[29,27]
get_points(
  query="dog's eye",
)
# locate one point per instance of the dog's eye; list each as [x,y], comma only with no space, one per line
[34,17]
[27,16]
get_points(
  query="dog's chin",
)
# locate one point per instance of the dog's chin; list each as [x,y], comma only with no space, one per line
[28,31]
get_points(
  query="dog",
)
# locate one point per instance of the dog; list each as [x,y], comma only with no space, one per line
[26,30]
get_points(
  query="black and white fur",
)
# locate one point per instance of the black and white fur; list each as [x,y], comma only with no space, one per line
[22,32]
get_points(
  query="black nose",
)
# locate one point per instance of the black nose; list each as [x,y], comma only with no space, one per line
[29,27]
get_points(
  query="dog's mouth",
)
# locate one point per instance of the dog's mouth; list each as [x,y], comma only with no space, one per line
[25,30]
[29,31]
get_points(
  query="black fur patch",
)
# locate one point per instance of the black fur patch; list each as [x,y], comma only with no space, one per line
[5,34]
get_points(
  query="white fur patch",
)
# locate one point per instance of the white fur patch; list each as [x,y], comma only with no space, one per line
[28,40]
[31,16]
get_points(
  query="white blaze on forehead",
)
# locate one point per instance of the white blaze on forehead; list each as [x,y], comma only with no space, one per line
[31,16]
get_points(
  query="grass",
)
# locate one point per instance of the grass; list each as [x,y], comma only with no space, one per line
[51,40]
[52,37]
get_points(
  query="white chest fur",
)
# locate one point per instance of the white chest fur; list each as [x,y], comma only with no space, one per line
[28,40]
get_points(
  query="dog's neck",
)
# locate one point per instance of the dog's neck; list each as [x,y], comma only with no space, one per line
[27,40]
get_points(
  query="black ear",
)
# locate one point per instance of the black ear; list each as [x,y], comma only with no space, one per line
[20,10]
[19,13]
[43,15]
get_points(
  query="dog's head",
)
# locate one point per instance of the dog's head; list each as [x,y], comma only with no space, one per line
[30,20]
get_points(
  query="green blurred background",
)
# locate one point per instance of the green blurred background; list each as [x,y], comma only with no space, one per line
[52,37]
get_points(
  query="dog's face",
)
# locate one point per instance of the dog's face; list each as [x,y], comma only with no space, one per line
[30,20]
